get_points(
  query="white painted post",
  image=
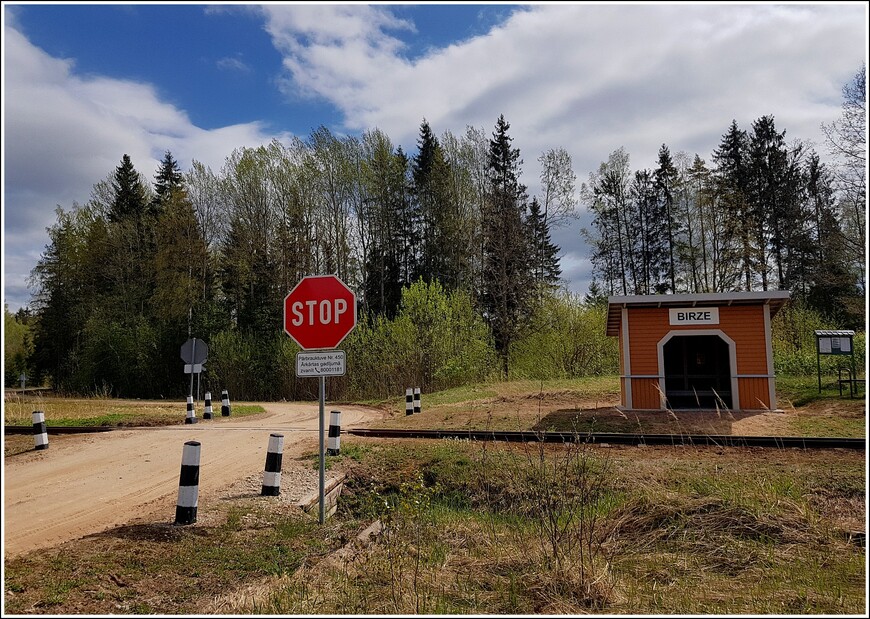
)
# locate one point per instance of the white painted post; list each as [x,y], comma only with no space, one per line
[207,413]
[191,414]
[40,433]
[334,446]
[225,404]
[409,401]
[188,484]
[272,473]
[416,399]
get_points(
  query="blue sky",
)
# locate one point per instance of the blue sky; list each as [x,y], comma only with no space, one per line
[85,84]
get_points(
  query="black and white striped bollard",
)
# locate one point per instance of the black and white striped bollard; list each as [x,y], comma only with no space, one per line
[334,444]
[191,414]
[40,433]
[225,404]
[409,401]
[272,474]
[206,413]
[188,484]
[416,399]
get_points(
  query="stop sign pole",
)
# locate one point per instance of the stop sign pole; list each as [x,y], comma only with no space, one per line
[318,314]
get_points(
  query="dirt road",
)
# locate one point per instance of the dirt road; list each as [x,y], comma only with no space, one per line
[89,483]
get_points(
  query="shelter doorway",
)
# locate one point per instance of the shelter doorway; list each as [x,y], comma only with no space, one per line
[697,372]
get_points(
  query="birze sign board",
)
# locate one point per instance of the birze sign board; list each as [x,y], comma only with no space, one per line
[694,315]
[319,312]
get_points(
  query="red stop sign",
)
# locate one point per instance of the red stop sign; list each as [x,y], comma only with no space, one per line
[319,312]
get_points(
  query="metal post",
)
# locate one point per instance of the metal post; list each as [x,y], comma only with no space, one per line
[192,359]
[819,362]
[853,384]
[322,491]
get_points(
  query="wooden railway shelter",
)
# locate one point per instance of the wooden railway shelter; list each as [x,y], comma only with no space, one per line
[696,351]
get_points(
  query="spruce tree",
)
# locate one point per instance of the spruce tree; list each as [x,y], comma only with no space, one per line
[546,269]
[732,164]
[167,179]
[507,277]
[385,188]
[649,235]
[831,287]
[767,181]
[666,177]
[430,173]
[130,196]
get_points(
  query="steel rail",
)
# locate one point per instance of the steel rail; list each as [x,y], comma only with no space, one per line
[599,438]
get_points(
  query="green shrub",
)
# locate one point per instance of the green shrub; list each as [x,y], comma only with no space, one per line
[437,341]
[794,343]
[565,339]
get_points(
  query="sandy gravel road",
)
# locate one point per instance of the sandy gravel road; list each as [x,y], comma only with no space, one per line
[88,483]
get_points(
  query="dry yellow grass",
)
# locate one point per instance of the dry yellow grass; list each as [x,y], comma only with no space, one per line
[18,410]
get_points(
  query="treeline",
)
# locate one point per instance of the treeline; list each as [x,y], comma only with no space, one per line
[139,268]
[766,215]
[456,275]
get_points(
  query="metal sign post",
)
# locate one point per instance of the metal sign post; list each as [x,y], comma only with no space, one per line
[194,352]
[318,314]
[321,364]
[322,488]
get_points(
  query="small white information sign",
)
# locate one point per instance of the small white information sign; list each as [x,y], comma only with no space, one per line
[694,315]
[330,363]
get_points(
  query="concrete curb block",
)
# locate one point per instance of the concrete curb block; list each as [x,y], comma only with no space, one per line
[332,490]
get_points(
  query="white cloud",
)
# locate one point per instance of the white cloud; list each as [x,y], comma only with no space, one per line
[233,64]
[66,132]
[589,78]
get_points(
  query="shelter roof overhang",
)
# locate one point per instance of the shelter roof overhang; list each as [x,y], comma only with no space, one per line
[774,298]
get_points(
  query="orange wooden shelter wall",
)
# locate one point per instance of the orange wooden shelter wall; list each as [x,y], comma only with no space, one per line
[647,326]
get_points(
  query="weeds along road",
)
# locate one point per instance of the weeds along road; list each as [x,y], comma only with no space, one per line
[88,483]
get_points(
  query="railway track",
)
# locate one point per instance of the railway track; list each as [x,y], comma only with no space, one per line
[623,439]
[598,438]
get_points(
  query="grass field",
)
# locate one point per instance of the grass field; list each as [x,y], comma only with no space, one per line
[482,528]
[99,412]
[588,405]
[61,412]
